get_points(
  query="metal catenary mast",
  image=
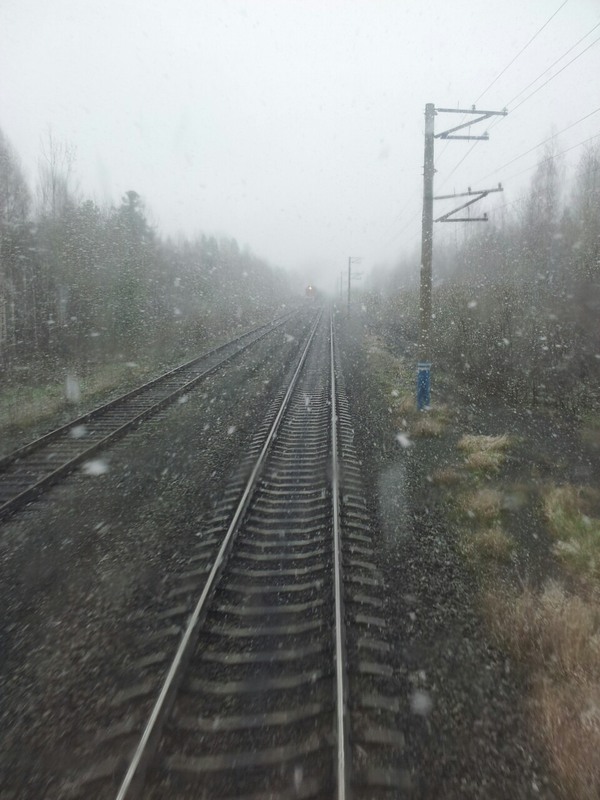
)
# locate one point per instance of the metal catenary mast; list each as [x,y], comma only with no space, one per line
[424,362]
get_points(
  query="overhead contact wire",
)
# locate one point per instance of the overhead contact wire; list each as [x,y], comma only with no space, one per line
[521,51]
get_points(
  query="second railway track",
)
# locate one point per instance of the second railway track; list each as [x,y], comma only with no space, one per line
[30,470]
[281,686]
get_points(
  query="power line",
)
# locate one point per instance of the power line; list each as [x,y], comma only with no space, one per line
[539,144]
[468,153]
[512,61]
[556,155]
[525,99]
[453,170]
[398,233]
[535,91]
[554,63]
[521,51]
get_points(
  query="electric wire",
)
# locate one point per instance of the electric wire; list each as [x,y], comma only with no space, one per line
[554,63]
[539,144]
[537,164]
[512,61]
[521,51]
[556,155]
[399,232]
[525,99]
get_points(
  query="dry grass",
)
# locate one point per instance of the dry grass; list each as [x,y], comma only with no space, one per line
[429,424]
[552,631]
[488,545]
[569,719]
[567,512]
[447,476]
[556,635]
[482,505]
[553,634]
[485,453]
[405,404]
[486,461]
[472,443]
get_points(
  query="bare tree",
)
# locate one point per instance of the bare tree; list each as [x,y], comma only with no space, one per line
[15,306]
[55,174]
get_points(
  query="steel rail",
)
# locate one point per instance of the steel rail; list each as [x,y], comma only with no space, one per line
[341,689]
[134,776]
[30,447]
[36,488]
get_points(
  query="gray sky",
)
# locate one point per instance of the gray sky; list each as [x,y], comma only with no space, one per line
[294,125]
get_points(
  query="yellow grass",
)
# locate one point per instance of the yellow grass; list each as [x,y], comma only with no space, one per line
[569,719]
[428,425]
[556,635]
[483,505]
[488,545]
[446,476]
[472,443]
[485,453]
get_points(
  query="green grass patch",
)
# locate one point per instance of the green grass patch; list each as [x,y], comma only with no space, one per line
[22,406]
[590,429]
[568,512]
[396,381]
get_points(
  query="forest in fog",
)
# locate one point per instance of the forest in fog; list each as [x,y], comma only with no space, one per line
[79,282]
[516,303]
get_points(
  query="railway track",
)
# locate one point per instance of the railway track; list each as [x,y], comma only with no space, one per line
[281,685]
[30,470]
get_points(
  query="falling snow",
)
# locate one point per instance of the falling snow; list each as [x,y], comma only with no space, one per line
[97,466]
[403,440]
[78,432]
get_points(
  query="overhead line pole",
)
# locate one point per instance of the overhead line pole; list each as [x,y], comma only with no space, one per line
[349,281]
[425,307]
[351,260]
[424,363]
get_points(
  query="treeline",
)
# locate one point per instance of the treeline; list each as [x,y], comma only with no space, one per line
[79,282]
[517,304]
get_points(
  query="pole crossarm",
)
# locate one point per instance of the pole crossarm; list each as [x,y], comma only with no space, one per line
[483,115]
[425,304]
[477,195]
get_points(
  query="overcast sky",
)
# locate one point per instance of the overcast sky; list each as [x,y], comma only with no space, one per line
[294,125]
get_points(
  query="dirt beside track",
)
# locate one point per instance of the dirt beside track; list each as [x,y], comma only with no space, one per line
[467,732]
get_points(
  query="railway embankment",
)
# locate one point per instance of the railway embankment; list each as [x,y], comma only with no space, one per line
[489,522]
